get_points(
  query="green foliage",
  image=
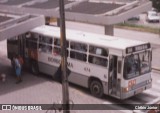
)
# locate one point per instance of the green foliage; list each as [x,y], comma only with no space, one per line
[138,28]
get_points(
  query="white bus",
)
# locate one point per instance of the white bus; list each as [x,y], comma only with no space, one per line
[104,64]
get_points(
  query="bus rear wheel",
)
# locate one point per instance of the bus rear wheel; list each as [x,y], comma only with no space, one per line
[96,88]
[34,68]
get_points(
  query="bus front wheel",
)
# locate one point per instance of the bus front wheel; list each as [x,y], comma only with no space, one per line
[34,68]
[96,88]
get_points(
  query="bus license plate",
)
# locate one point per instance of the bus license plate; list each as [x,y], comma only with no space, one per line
[139,90]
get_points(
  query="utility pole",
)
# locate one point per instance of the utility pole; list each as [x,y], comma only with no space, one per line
[65,91]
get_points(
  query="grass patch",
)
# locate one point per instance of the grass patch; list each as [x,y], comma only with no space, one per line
[138,28]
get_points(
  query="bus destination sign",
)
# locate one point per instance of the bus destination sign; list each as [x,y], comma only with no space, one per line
[137,48]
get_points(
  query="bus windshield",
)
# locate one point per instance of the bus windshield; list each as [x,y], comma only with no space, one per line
[137,64]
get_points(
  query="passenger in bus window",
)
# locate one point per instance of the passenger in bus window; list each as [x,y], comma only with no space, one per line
[96,61]
[49,49]
[28,35]
[104,52]
[50,41]
[40,48]
[42,39]
[45,48]
[78,46]
[128,68]
[91,49]
[56,51]
[57,42]
[100,61]
[83,47]
[98,51]
[104,62]
[79,56]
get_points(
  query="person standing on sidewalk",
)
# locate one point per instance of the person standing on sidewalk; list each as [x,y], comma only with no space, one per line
[18,69]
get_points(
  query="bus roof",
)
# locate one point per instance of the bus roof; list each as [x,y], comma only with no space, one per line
[89,38]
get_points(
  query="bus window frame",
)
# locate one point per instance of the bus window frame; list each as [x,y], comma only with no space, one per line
[58,46]
[98,56]
[44,44]
[95,48]
[82,53]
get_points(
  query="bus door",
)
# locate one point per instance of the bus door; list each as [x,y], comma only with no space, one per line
[31,52]
[113,79]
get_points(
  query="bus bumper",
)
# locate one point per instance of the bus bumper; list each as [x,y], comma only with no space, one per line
[131,93]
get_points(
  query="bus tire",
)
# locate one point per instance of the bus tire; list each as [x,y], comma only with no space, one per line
[96,88]
[34,68]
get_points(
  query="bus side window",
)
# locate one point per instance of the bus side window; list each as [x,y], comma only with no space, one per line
[79,46]
[98,50]
[98,56]
[57,47]
[78,51]
[31,42]
[98,61]
[57,51]
[57,42]
[78,56]
[28,35]
[45,44]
